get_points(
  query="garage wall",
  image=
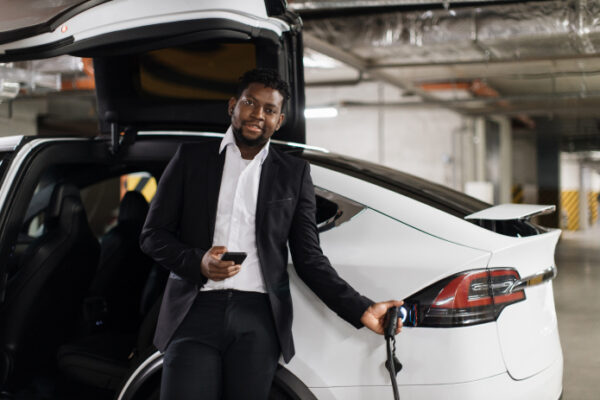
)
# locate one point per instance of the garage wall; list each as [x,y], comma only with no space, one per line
[19,117]
[420,141]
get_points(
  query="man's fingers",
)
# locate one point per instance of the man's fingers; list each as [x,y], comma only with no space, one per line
[218,250]
[233,269]
[392,303]
[222,273]
[218,264]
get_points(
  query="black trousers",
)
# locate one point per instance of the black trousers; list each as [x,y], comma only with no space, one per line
[225,348]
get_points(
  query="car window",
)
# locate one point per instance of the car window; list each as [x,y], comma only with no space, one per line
[142,182]
[3,162]
[438,196]
[198,71]
[101,200]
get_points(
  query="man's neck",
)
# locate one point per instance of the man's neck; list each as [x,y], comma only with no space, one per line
[249,152]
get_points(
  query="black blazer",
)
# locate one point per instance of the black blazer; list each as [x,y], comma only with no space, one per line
[180,226]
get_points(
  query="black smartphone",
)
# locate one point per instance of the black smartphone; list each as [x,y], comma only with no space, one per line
[237,257]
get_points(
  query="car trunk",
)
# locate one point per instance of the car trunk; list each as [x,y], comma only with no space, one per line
[527,330]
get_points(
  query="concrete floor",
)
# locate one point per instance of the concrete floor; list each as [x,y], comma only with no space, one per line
[577,296]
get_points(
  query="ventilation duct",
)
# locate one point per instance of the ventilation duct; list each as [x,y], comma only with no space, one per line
[494,32]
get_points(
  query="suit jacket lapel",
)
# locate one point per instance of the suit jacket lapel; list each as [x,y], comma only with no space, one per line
[215,166]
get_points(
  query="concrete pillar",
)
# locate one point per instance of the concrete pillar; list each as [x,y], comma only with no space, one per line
[381,124]
[570,187]
[466,152]
[585,184]
[475,163]
[505,159]
[595,201]
[548,169]
[479,141]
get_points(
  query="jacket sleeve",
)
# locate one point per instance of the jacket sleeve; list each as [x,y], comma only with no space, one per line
[313,267]
[159,238]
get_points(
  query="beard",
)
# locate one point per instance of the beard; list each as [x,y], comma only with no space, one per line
[242,140]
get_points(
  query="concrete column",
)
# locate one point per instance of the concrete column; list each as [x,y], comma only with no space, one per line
[595,188]
[585,184]
[381,125]
[506,170]
[548,169]
[479,141]
[571,180]
[466,154]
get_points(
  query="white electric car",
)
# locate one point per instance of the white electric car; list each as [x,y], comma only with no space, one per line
[77,317]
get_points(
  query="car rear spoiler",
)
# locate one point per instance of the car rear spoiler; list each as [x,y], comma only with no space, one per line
[504,212]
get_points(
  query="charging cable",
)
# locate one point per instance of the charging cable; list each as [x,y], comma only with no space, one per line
[392,364]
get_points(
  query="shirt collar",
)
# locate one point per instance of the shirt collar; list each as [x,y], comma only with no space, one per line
[229,139]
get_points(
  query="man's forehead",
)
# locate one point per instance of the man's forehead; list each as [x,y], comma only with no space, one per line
[259,91]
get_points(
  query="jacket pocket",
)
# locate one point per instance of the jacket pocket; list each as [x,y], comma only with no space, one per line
[280,202]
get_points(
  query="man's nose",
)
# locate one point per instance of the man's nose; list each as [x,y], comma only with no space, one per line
[258,112]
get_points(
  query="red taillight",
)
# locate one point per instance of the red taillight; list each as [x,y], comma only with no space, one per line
[468,298]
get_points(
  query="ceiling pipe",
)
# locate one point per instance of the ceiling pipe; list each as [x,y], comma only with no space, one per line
[86,82]
[363,66]
[491,33]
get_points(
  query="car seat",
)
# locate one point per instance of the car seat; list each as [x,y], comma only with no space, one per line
[45,293]
[103,360]
[113,301]
[122,305]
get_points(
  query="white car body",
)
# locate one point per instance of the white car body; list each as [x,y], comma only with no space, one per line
[394,248]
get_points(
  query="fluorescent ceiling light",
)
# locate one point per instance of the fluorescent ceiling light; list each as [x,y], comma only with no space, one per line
[323,112]
[313,59]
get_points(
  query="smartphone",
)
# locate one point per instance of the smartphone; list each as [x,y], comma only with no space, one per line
[237,257]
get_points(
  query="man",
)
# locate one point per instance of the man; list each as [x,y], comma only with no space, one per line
[223,326]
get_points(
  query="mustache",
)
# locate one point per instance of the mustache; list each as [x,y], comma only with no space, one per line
[241,139]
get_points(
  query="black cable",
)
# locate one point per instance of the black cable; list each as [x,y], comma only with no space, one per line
[392,364]
[392,369]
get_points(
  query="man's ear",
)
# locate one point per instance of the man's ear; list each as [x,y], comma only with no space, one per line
[231,105]
[281,119]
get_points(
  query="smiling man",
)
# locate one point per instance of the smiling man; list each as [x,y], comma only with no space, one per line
[224,326]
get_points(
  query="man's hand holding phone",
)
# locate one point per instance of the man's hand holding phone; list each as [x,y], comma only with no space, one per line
[217,264]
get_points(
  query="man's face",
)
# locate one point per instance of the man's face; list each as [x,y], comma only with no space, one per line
[256,115]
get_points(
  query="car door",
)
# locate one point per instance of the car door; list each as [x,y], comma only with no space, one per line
[164,65]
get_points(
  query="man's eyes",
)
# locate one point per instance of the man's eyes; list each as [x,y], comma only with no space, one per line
[250,103]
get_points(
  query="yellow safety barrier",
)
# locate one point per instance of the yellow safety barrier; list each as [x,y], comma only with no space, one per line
[143,183]
[593,206]
[569,203]
[517,194]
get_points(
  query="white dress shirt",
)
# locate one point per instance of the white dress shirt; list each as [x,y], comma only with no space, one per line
[236,214]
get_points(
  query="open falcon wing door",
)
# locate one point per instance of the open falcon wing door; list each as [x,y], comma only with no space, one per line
[163,65]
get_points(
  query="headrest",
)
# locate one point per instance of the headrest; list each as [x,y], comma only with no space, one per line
[61,192]
[134,207]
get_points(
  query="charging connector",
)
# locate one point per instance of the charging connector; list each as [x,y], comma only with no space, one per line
[392,364]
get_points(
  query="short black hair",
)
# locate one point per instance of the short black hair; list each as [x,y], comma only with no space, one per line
[268,77]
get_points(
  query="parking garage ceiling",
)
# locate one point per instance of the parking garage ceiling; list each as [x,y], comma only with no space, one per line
[523,59]
[498,57]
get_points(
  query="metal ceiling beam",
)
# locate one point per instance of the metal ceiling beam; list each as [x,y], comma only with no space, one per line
[485,63]
[363,66]
[565,104]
